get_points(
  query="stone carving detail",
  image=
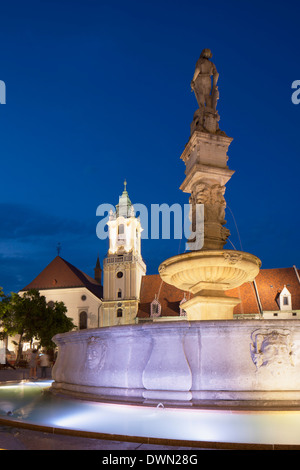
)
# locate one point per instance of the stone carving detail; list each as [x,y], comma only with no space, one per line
[162,268]
[96,352]
[271,348]
[212,196]
[232,258]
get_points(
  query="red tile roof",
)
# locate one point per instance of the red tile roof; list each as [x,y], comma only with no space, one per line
[249,304]
[269,283]
[61,274]
[168,296]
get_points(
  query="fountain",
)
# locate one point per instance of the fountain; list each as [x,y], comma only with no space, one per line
[209,363]
[209,358]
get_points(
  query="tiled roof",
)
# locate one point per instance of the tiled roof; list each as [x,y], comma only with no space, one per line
[249,304]
[269,284]
[61,274]
[168,296]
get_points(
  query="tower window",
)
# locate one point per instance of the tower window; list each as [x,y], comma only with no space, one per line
[121,229]
[119,313]
[119,294]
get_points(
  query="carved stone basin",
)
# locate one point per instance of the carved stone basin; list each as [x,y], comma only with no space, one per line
[183,362]
[207,275]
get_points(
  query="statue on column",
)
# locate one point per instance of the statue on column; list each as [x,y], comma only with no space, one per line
[204,85]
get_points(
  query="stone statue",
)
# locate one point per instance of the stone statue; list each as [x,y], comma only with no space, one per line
[206,92]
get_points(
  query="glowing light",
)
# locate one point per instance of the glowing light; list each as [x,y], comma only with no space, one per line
[28,403]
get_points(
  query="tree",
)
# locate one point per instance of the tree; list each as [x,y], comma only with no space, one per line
[55,321]
[30,317]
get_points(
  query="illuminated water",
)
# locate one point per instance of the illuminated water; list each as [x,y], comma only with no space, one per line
[28,403]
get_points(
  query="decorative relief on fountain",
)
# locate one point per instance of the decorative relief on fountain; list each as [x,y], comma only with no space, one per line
[95,355]
[272,348]
[212,196]
[232,257]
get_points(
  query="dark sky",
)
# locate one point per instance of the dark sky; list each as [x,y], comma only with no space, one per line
[99,91]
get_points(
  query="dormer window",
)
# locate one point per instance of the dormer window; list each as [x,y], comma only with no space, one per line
[285,299]
[155,308]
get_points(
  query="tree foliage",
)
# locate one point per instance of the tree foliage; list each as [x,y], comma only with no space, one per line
[30,317]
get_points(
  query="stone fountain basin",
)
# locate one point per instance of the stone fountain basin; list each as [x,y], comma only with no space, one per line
[236,361]
[209,270]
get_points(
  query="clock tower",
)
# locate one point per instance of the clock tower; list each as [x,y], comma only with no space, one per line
[123,267]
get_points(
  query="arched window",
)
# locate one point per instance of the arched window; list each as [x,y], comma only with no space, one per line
[83,321]
[119,294]
[119,313]
[121,229]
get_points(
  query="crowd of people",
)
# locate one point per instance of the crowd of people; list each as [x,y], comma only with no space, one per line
[34,360]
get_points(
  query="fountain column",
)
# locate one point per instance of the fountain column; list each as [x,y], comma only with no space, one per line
[208,270]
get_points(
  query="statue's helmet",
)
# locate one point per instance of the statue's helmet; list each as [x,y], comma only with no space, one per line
[206,53]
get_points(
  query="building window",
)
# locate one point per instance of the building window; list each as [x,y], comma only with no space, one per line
[155,308]
[83,297]
[119,313]
[121,229]
[119,294]
[285,300]
[83,321]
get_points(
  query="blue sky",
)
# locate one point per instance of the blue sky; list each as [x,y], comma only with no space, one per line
[99,91]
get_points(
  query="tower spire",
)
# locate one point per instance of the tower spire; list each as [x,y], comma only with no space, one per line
[98,271]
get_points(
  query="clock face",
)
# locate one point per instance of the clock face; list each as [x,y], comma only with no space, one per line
[119,274]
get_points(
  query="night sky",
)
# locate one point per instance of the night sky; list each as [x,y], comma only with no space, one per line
[99,91]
